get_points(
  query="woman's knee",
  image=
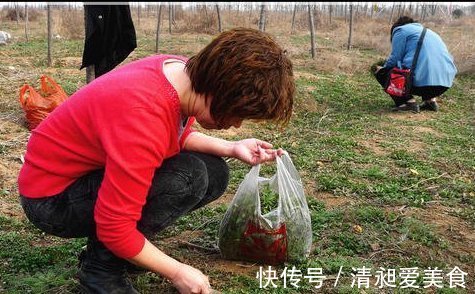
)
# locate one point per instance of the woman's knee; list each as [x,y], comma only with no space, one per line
[199,176]
[181,174]
[193,176]
[217,171]
[221,178]
[54,216]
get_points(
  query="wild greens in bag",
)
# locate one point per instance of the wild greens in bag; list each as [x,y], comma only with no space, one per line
[281,235]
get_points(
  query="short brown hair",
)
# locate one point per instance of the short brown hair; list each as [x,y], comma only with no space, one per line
[246,74]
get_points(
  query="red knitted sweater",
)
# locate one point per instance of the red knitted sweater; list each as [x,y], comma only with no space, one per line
[127,122]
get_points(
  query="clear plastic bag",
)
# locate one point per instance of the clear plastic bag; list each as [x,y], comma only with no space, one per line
[281,235]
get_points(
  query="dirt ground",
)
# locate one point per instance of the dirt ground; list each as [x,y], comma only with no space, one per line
[13,134]
[459,234]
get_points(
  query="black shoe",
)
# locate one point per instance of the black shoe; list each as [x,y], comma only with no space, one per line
[101,272]
[408,106]
[429,105]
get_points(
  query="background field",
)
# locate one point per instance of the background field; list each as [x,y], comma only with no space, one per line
[385,189]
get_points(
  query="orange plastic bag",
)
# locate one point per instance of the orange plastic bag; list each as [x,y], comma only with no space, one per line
[38,104]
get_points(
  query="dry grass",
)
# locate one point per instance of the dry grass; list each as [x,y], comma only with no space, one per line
[370,37]
[207,24]
[71,24]
[368,34]
[458,34]
[191,30]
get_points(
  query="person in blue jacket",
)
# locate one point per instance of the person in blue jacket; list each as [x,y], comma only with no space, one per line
[435,70]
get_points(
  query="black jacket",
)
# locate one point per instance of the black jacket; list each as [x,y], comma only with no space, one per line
[110,36]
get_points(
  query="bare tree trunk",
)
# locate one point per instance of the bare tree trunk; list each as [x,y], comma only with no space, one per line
[138,14]
[158,27]
[219,18]
[169,18]
[292,29]
[17,12]
[251,10]
[372,10]
[26,23]
[265,23]
[330,13]
[434,8]
[399,9]
[392,12]
[312,30]
[351,27]
[173,14]
[49,33]
[90,73]
[262,18]
[346,13]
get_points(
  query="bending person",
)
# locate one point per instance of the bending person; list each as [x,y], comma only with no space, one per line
[119,161]
[435,69]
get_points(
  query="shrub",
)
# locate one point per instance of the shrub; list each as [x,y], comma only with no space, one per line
[11,14]
[206,21]
[457,13]
[72,24]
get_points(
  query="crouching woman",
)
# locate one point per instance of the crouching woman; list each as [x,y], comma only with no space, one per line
[119,161]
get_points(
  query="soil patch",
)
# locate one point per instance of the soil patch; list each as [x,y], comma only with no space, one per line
[374,144]
[331,201]
[308,76]
[422,116]
[225,199]
[426,130]
[205,258]
[12,210]
[459,234]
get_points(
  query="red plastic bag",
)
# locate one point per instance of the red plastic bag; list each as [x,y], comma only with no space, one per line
[398,82]
[266,245]
[38,104]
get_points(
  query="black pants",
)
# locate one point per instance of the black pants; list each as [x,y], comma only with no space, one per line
[183,183]
[426,92]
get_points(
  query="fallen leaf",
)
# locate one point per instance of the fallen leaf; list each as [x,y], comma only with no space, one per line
[375,246]
[357,229]
[413,171]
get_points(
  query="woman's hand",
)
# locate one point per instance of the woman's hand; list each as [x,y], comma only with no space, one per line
[185,278]
[254,151]
[189,280]
[378,68]
[251,151]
